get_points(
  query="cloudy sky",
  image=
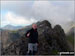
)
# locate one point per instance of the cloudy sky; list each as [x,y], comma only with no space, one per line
[23,13]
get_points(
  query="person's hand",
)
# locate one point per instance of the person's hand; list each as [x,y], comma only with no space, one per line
[28,34]
[37,44]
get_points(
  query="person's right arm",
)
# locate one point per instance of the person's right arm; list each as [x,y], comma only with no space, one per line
[28,33]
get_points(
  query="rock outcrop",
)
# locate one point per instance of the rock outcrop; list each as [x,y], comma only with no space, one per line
[51,41]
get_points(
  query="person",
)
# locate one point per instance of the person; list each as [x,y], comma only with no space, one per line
[32,34]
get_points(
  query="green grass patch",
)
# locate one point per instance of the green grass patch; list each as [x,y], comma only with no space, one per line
[54,52]
[71,39]
[14,31]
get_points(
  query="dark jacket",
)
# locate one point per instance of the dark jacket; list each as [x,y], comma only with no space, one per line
[33,38]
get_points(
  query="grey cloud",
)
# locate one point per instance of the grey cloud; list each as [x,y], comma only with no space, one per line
[54,12]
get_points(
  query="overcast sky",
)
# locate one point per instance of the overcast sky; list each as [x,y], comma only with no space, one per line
[23,13]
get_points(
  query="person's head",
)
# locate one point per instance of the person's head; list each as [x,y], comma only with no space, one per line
[34,26]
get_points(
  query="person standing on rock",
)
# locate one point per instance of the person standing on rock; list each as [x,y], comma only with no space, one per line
[32,34]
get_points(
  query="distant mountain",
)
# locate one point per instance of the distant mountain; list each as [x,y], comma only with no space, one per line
[51,40]
[11,27]
[0,29]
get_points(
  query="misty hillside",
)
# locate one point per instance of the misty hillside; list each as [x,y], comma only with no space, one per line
[71,31]
[11,27]
[70,35]
[51,40]
[9,36]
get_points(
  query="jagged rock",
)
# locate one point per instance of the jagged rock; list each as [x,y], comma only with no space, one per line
[51,41]
[60,37]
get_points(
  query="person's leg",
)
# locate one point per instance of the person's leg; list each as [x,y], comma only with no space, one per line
[30,49]
[35,48]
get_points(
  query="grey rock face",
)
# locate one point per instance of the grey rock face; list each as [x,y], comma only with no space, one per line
[51,41]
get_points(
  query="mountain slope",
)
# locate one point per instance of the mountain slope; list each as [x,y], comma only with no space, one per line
[70,36]
[51,41]
[11,27]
